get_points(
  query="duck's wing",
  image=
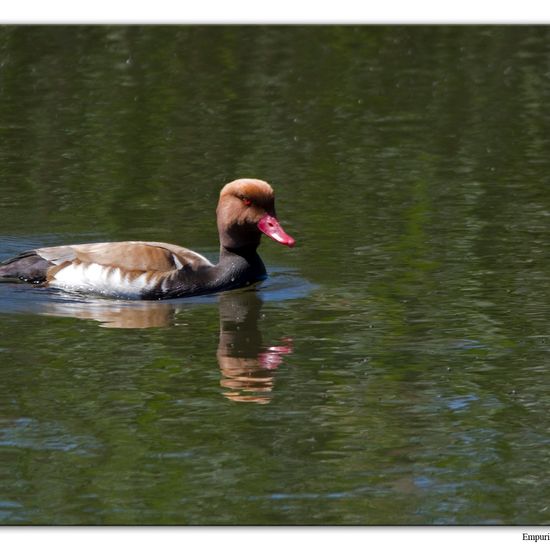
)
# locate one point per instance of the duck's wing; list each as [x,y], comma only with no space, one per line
[127,256]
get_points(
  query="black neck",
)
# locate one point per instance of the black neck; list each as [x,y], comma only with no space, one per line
[238,267]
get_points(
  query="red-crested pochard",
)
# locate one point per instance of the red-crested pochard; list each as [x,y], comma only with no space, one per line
[152,270]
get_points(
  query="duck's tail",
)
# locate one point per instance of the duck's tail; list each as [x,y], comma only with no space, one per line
[27,266]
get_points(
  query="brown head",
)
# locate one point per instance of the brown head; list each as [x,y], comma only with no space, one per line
[246,209]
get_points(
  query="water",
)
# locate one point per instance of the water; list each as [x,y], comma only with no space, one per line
[394,367]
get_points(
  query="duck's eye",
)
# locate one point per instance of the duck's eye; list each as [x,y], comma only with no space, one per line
[246,201]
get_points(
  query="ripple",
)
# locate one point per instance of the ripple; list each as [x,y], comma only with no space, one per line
[29,433]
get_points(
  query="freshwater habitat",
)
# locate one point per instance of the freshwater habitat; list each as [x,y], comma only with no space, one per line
[394,369]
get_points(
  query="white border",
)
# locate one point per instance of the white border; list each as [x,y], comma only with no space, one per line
[274,11]
[350,538]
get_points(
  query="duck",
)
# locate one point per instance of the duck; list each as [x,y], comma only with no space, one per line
[155,270]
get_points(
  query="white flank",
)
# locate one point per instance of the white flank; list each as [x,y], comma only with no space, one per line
[99,279]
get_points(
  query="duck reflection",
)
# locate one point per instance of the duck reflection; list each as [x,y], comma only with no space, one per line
[112,314]
[247,365]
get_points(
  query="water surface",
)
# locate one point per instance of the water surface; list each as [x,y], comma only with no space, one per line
[392,370]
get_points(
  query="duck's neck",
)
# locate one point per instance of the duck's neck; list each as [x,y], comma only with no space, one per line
[237,267]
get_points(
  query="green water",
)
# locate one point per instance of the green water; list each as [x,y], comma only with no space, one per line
[394,369]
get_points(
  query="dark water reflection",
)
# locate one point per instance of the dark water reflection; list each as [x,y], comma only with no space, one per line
[400,351]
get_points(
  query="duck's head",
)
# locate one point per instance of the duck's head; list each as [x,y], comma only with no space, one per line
[246,209]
